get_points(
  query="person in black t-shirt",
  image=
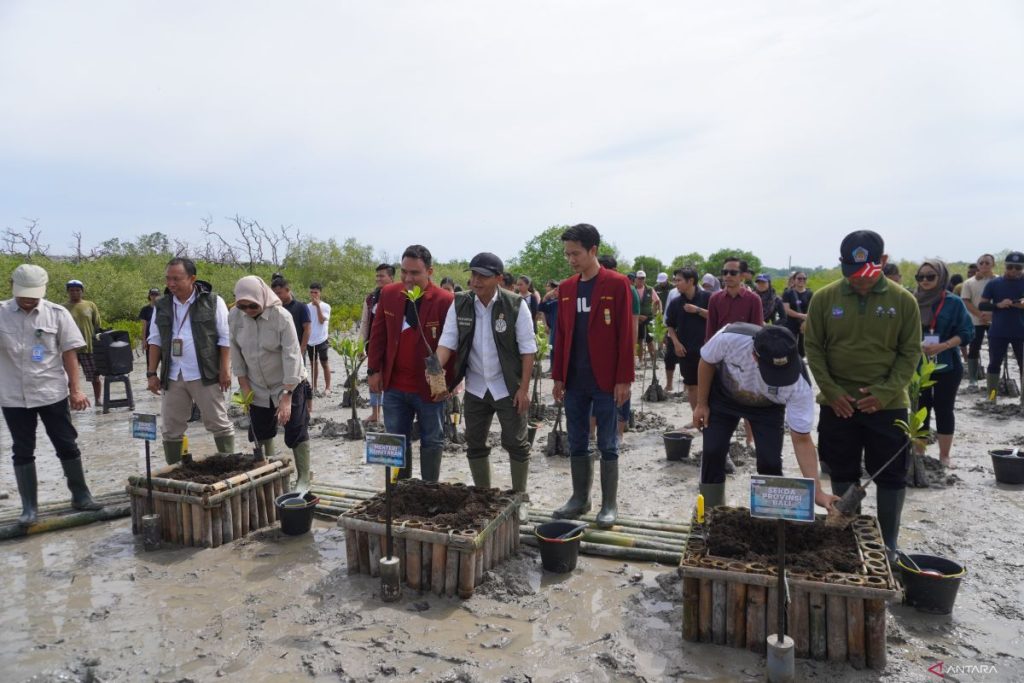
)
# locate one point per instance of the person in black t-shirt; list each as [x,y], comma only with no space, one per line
[146,315]
[686,319]
[299,311]
[795,301]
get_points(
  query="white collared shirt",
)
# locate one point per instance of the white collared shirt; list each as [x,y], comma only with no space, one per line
[186,366]
[483,371]
[319,331]
[28,383]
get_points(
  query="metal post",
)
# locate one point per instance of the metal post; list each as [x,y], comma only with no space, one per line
[781,591]
[387,498]
[149,478]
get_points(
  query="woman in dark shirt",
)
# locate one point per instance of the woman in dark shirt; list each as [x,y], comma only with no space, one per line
[795,301]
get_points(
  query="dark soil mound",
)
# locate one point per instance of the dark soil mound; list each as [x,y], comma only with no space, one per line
[809,547]
[459,507]
[213,469]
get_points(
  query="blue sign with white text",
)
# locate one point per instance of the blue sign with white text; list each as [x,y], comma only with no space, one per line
[789,498]
[385,449]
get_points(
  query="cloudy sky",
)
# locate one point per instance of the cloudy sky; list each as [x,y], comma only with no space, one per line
[469,126]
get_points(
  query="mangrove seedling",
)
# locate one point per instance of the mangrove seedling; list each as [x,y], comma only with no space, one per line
[536,406]
[914,427]
[244,401]
[655,392]
[353,353]
[435,373]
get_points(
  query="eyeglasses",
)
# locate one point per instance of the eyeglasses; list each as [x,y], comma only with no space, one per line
[801,279]
[926,278]
[248,307]
[1015,266]
[730,271]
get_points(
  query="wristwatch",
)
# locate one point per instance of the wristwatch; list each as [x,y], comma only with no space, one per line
[287,392]
[150,374]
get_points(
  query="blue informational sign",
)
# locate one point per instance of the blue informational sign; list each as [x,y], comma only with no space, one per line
[789,498]
[144,426]
[385,449]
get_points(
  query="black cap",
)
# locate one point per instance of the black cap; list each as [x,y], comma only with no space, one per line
[153,291]
[1014,257]
[777,356]
[860,248]
[487,264]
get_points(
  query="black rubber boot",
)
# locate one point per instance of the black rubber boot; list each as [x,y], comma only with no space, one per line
[714,495]
[430,464]
[27,488]
[609,491]
[890,510]
[582,479]
[81,499]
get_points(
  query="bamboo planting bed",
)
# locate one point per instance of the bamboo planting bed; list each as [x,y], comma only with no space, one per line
[838,617]
[209,515]
[439,559]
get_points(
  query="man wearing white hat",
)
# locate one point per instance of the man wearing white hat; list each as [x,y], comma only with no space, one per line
[39,366]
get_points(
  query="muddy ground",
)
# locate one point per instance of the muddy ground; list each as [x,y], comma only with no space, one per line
[90,604]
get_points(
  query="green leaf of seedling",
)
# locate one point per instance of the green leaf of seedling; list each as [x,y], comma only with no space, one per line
[414,294]
[243,401]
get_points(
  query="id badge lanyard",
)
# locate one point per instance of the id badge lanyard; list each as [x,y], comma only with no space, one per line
[935,319]
[38,350]
[178,344]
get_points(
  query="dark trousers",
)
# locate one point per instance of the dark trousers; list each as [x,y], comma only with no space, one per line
[974,348]
[997,352]
[940,398]
[579,405]
[296,430]
[56,419]
[842,442]
[767,423]
[479,413]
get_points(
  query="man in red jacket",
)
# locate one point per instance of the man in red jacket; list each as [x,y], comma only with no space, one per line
[592,367]
[403,334]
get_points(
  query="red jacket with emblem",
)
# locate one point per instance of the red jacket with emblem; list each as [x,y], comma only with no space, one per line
[610,330]
[387,328]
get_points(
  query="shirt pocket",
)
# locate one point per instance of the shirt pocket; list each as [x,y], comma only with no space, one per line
[47,336]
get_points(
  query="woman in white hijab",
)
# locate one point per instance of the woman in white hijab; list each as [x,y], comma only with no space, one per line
[265,357]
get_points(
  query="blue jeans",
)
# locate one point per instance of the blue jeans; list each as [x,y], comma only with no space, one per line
[400,407]
[579,405]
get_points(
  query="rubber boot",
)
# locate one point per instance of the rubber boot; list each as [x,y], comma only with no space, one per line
[520,475]
[172,451]
[991,385]
[480,468]
[225,444]
[301,453]
[81,499]
[27,487]
[267,446]
[714,495]
[972,373]
[890,510]
[609,492]
[430,464]
[582,468]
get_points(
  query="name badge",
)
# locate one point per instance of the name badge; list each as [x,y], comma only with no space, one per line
[38,351]
[177,347]
[931,339]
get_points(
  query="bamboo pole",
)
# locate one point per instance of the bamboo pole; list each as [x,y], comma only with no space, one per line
[243,512]
[217,498]
[351,551]
[735,614]
[261,507]
[673,526]
[426,559]
[186,524]
[197,525]
[635,554]
[637,532]
[467,574]
[218,527]
[706,600]
[136,519]
[719,606]
[437,568]
[874,622]
[451,572]
[836,624]
[478,566]
[64,506]
[254,515]
[165,496]
[364,552]
[691,609]
[856,653]
[756,635]
[236,516]
[207,528]
[489,553]
[617,539]
[227,524]
[55,522]
[413,557]
[801,627]
[818,630]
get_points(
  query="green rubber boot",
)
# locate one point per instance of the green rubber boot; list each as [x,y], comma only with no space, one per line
[609,492]
[480,468]
[582,479]
[301,453]
[81,499]
[172,451]
[267,446]
[714,495]
[520,475]
[972,372]
[430,464]
[27,488]
[225,444]
[890,510]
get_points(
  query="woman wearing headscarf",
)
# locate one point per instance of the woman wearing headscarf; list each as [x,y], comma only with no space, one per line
[771,304]
[266,359]
[946,324]
[710,283]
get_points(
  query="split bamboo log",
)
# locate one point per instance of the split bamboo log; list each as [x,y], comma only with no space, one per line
[227,524]
[236,516]
[836,625]
[736,614]
[426,557]
[207,528]
[186,525]
[706,601]
[413,557]
[635,554]
[438,570]
[756,634]
[478,567]
[489,553]
[719,606]
[451,572]
[254,515]
[691,609]
[218,527]
[261,507]
[818,630]
[351,551]
[856,653]
[197,525]
[243,512]
[66,521]
[364,552]
[874,631]
[801,625]
[467,574]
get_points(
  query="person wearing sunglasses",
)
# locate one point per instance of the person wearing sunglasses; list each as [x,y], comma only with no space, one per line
[267,360]
[795,302]
[1004,297]
[735,303]
[946,324]
[971,294]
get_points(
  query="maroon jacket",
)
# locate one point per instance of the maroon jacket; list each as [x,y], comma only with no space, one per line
[387,328]
[610,331]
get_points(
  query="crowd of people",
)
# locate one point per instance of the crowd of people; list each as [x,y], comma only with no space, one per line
[744,354]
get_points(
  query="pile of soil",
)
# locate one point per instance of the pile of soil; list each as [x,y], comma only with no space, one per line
[444,504]
[999,410]
[645,421]
[734,534]
[212,469]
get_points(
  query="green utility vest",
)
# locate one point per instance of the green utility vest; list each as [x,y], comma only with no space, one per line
[504,313]
[203,320]
[647,303]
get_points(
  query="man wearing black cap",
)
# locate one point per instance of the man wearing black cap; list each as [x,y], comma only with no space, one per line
[490,331]
[863,341]
[1003,297]
[753,372]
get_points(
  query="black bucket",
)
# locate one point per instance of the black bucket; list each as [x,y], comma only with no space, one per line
[933,589]
[677,445]
[558,555]
[296,514]
[1008,464]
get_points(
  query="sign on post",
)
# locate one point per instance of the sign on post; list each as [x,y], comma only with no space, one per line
[144,426]
[385,449]
[787,498]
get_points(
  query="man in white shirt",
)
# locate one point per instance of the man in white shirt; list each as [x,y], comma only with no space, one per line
[753,372]
[490,332]
[319,324]
[189,344]
[971,295]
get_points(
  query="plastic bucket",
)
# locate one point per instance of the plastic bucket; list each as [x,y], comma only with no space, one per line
[295,512]
[558,555]
[933,589]
[677,445]
[1009,468]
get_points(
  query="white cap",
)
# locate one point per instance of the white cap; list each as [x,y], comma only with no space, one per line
[29,281]
[662,277]
[641,273]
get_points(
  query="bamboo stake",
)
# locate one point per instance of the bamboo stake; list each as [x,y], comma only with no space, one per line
[855,633]
[351,551]
[438,569]
[719,606]
[674,526]
[426,559]
[478,566]
[243,512]
[261,507]
[254,515]
[801,626]
[736,615]
[467,574]
[364,552]
[757,635]
[136,517]
[818,631]
[413,569]
[186,524]
[706,601]
[227,526]
[53,523]
[451,572]
[874,622]
[836,625]
[488,553]
[691,609]
[217,527]
[197,525]
[207,528]
[236,516]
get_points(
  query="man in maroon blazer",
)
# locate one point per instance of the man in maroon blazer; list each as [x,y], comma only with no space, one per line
[592,367]
[402,336]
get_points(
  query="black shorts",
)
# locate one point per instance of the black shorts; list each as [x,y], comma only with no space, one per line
[318,350]
[688,364]
[264,420]
[643,333]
